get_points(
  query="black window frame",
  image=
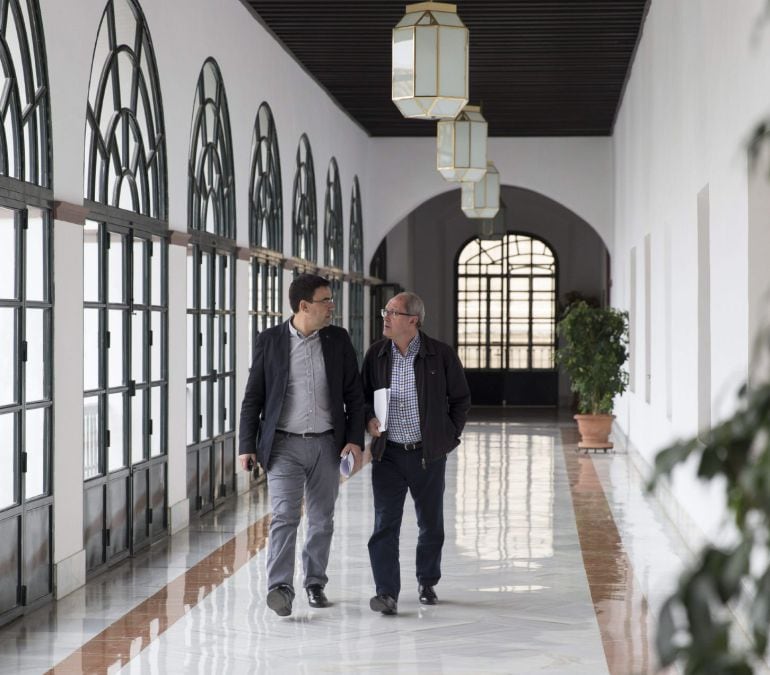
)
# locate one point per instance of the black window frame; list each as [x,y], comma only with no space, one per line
[130,155]
[211,451]
[26,523]
[484,346]
[265,226]
[304,215]
[356,269]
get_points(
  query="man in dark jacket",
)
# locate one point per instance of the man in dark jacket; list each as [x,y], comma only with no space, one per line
[429,401]
[302,411]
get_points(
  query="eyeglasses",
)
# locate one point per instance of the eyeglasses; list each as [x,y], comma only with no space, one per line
[325,301]
[393,312]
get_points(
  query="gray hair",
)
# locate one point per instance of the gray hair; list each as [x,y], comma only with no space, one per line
[414,305]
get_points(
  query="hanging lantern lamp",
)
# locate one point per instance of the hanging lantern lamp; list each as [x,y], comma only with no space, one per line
[482,199]
[461,146]
[430,62]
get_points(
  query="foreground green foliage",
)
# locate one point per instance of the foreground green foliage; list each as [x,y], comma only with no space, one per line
[593,351]
[696,625]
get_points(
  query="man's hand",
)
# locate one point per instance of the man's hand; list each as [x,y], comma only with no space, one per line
[373,427]
[248,462]
[357,454]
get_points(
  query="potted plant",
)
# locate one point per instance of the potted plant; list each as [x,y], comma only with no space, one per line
[594,347]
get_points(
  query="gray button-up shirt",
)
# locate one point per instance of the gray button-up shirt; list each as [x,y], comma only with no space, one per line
[306,408]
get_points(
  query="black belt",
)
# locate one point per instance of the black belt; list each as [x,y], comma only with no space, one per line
[308,434]
[405,446]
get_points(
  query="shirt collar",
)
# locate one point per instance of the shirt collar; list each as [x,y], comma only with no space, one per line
[295,333]
[412,349]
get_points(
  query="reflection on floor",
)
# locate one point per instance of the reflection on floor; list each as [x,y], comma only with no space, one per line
[554,562]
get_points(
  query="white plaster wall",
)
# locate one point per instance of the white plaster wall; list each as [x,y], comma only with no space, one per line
[575,172]
[698,86]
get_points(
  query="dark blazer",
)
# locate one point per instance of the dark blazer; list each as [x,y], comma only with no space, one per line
[442,393]
[269,378]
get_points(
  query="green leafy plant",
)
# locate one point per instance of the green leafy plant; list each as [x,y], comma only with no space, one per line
[697,624]
[593,350]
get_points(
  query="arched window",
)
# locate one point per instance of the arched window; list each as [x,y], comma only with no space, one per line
[211,181]
[304,215]
[26,312]
[210,297]
[126,304]
[506,304]
[356,268]
[333,235]
[265,225]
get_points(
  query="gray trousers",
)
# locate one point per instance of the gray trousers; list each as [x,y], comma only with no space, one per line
[309,467]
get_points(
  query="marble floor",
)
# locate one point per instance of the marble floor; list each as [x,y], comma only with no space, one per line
[554,562]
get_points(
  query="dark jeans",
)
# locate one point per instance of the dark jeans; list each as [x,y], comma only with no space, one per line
[398,471]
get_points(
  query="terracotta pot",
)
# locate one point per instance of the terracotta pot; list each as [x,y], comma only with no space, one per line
[595,431]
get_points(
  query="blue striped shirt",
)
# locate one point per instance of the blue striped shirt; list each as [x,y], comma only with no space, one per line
[403,410]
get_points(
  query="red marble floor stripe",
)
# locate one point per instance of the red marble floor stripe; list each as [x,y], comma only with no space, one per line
[123,640]
[621,608]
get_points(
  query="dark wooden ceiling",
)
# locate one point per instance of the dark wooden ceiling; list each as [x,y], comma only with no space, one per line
[539,67]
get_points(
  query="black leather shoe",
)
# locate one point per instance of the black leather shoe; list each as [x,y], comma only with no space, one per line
[427,595]
[384,603]
[279,599]
[316,596]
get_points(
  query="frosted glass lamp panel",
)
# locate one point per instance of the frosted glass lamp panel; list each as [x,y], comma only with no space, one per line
[403,64]
[462,146]
[482,199]
[453,63]
[425,65]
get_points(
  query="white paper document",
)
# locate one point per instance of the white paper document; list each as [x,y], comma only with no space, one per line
[346,464]
[381,403]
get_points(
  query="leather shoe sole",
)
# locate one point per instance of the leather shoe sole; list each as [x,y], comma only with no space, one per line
[384,603]
[279,600]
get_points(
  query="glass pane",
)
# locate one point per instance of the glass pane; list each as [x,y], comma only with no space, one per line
[191,421]
[8,355]
[204,411]
[7,254]
[215,347]
[205,281]
[156,400]
[115,281]
[192,345]
[157,342]
[137,426]
[7,461]
[229,404]
[205,345]
[115,425]
[115,351]
[228,298]
[35,428]
[35,273]
[91,437]
[140,249]
[216,400]
[91,261]
[37,355]
[190,277]
[156,280]
[90,348]
[137,346]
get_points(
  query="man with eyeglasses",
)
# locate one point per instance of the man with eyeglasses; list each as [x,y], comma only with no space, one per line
[302,411]
[429,401]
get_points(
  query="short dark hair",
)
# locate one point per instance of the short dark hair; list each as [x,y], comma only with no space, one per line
[303,288]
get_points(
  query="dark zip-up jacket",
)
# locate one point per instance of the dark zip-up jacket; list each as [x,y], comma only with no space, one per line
[269,378]
[443,395]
